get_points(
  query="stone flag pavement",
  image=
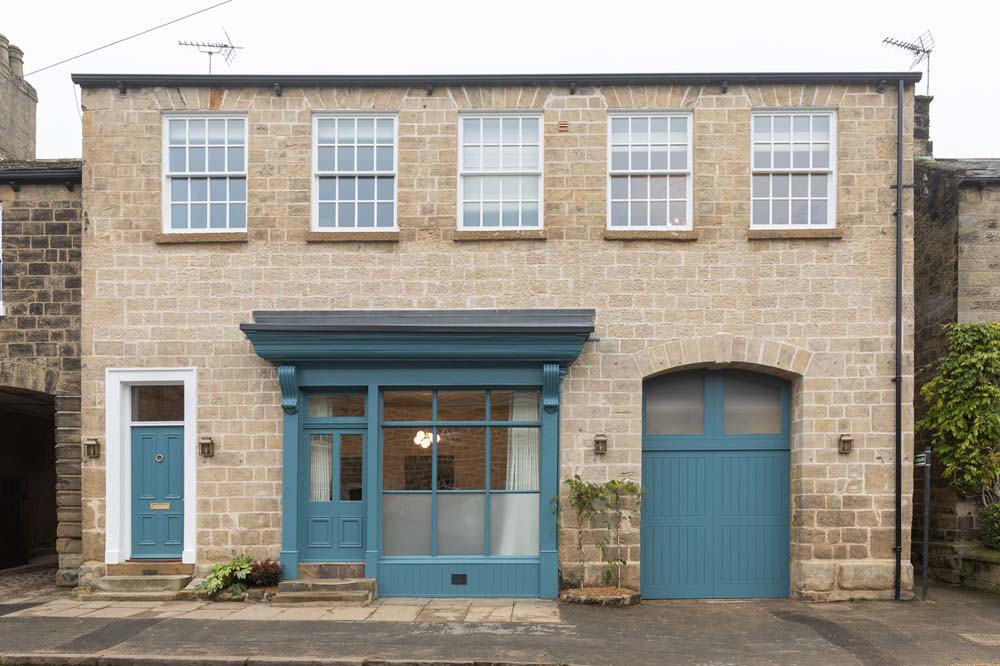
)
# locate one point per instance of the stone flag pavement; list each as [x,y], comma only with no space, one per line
[957,627]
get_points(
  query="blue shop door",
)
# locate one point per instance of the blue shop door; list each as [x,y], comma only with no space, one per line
[715,469]
[334,502]
[157,491]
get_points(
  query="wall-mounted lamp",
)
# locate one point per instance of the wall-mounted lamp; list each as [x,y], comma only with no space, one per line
[206,446]
[92,447]
[845,444]
[600,444]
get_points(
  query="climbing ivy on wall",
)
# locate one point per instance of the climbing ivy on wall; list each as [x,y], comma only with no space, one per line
[963,416]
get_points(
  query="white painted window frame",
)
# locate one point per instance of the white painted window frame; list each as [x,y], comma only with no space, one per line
[166,174]
[689,172]
[118,383]
[316,174]
[540,172]
[832,178]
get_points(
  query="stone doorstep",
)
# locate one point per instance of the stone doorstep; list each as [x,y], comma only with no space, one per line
[154,583]
[150,568]
[56,659]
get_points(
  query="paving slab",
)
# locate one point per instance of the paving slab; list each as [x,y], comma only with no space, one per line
[348,614]
[388,613]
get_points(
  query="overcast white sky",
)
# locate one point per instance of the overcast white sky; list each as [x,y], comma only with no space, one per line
[520,36]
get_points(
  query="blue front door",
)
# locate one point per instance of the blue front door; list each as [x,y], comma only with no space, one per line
[334,501]
[157,491]
[715,468]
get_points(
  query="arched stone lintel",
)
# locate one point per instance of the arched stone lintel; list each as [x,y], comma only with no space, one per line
[725,349]
[28,376]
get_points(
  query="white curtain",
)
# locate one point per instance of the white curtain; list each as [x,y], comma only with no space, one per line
[515,517]
[320,468]
[522,444]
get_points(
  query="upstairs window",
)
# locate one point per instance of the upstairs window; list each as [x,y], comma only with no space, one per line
[500,171]
[205,174]
[354,172]
[649,171]
[794,169]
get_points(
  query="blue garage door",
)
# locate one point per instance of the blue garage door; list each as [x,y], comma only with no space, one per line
[715,516]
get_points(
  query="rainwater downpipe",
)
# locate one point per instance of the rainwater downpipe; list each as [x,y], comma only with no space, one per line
[898,379]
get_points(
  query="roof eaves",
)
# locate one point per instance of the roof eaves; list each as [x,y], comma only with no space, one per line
[124,81]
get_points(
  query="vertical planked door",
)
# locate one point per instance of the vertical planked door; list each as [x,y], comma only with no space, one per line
[715,515]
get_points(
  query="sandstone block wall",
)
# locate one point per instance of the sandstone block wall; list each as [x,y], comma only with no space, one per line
[819,311]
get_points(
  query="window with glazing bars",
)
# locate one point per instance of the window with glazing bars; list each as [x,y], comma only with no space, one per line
[500,171]
[461,472]
[794,169]
[205,173]
[354,167]
[649,171]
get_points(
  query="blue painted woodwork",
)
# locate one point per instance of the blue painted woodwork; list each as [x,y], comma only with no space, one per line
[715,514]
[484,577]
[376,359]
[332,531]
[294,347]
[289,389]
[157,455]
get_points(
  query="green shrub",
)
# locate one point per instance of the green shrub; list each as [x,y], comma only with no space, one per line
[963,415]
[989,526]
[229,576]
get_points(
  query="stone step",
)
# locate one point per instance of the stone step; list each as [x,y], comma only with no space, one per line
[311,570]
[325,598]
[328,585]
[126,584]
[127,596]
[150,568]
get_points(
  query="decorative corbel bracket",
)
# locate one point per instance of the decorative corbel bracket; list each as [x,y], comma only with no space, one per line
[289,389]
[551,377]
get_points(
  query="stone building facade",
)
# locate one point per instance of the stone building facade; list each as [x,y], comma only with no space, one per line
[17,103]
[957,280]
[40,234]
[808,311]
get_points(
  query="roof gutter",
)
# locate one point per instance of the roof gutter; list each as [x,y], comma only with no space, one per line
[279,81]
[16,177]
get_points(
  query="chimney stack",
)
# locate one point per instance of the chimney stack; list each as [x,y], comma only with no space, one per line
[922,144]
[4,57]
[18,100]
[16,59]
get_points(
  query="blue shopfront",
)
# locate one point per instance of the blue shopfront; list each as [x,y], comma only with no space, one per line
[423,444]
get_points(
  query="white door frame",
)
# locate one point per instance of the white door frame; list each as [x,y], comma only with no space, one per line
[118,469]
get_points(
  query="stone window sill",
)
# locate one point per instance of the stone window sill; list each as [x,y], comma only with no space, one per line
[352,237]
[685,235]
[506,234]
[795,234]
[221,237]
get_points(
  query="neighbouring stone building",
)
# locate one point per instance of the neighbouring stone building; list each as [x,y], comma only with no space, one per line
[40,234]
[17,104]
[957,279]
[371,324]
